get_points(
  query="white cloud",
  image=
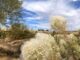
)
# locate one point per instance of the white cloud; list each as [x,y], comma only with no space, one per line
[44,25]
[34,18]
[41,26]
[75,0]
[61,7]
[36,6]
[55,7]
[41,8]
[70,13]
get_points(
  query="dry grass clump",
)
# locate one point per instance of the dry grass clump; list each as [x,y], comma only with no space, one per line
[42,47]
[69,46]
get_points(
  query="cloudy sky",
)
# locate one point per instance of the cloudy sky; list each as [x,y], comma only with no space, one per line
[41,10]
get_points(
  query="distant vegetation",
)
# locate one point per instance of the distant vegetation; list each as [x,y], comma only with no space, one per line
[17,34]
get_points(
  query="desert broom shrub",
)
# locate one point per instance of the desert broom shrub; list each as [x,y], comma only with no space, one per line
[47,47]
[75,47]
[58,23]
[63,45]
[69,46]
[42,47]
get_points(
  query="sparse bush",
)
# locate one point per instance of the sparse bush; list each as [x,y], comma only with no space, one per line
[2,34]
[19,31]
[20,34]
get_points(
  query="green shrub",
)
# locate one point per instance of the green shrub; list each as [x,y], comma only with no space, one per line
[19,31]
[19,34]
[2,34]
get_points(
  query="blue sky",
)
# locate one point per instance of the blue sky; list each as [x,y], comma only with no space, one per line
[39,11]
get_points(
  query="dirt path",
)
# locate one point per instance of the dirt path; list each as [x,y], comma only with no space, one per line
[8,58]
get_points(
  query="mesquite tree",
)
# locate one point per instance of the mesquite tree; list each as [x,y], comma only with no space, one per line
[8,7]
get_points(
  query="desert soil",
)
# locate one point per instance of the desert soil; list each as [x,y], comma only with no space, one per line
[8,58]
